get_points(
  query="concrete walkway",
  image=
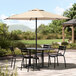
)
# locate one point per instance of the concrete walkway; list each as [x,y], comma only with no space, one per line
[58,71]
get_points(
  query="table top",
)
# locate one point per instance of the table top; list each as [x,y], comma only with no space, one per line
[32,48]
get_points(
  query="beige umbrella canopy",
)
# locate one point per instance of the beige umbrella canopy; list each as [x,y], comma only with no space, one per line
[36,14]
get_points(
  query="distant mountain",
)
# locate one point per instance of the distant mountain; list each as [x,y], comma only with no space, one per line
[19,27]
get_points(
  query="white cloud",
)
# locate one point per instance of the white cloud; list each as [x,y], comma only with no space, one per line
[70,5]
[59,10]
[2,17]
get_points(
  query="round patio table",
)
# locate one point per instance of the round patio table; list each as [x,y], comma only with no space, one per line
[39,49]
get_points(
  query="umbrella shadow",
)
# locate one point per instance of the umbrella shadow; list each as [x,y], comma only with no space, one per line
[51,67]
[60,67]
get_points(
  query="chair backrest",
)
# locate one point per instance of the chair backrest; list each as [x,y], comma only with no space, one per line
[24,52]
[62,49]
[46,46]
[12,50]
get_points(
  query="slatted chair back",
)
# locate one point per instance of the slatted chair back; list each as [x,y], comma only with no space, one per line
[24,52]
[46,46]
[62,49]
[12,50]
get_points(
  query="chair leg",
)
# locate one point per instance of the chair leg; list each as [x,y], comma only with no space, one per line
[14,63]
[22,63]
[64,61]
[57,61]
[27,66]
[33,64]
[49,61]
[39,64]
[26,62]
[54,62]
[11,61]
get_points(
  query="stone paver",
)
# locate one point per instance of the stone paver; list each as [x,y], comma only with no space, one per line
[58,71]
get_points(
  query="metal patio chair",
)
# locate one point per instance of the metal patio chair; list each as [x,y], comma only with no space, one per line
[60,52]
[27,55]
[13,59]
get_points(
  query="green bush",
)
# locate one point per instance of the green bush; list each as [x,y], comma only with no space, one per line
[51,36]
[58,36]
[64,43]
[33,45]
[3,52]
[19,44]
[41,36]
[73,45]
[4,43]
[6,71]
[55,45]
[14,36]
[68,46]
[29,35]
[17,51]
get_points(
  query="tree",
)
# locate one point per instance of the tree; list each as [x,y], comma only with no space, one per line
[16,32]
[71,12]
[3,29]
[56,26]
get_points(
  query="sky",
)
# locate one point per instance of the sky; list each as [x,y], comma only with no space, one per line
[11,7]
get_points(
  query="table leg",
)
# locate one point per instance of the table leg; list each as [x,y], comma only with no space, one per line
[30,58]
[42,58]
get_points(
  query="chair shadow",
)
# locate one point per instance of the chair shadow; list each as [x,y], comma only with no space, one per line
[60,67]
[51,67]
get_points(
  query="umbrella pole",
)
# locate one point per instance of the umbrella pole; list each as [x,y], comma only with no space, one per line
[36,41]
[36,36]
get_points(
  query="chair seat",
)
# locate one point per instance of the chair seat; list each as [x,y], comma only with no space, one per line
[60,54]
[27,56]
[35,57]
[53,55]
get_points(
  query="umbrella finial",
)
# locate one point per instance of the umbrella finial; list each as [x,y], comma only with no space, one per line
[37,9]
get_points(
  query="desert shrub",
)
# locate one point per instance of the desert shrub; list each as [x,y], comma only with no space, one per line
[14,36]
[17,51]
[64,43]
[18,44]
[29,37]
[6,71]
[41,36]
[58,36]
[33,45]
[54,36]
[8,53]
[68,46]
[73,45]
[68,37]
[55,45]
[51,36]
[3,52]
[4,43]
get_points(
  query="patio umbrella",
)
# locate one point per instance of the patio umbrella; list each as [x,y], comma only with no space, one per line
[36,14]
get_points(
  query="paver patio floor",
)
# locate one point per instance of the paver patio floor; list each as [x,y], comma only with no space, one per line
[60,70]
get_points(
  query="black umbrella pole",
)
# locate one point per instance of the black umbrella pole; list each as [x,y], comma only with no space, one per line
[36,37]
[36,42]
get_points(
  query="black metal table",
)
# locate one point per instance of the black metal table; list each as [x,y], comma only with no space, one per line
[39,49]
